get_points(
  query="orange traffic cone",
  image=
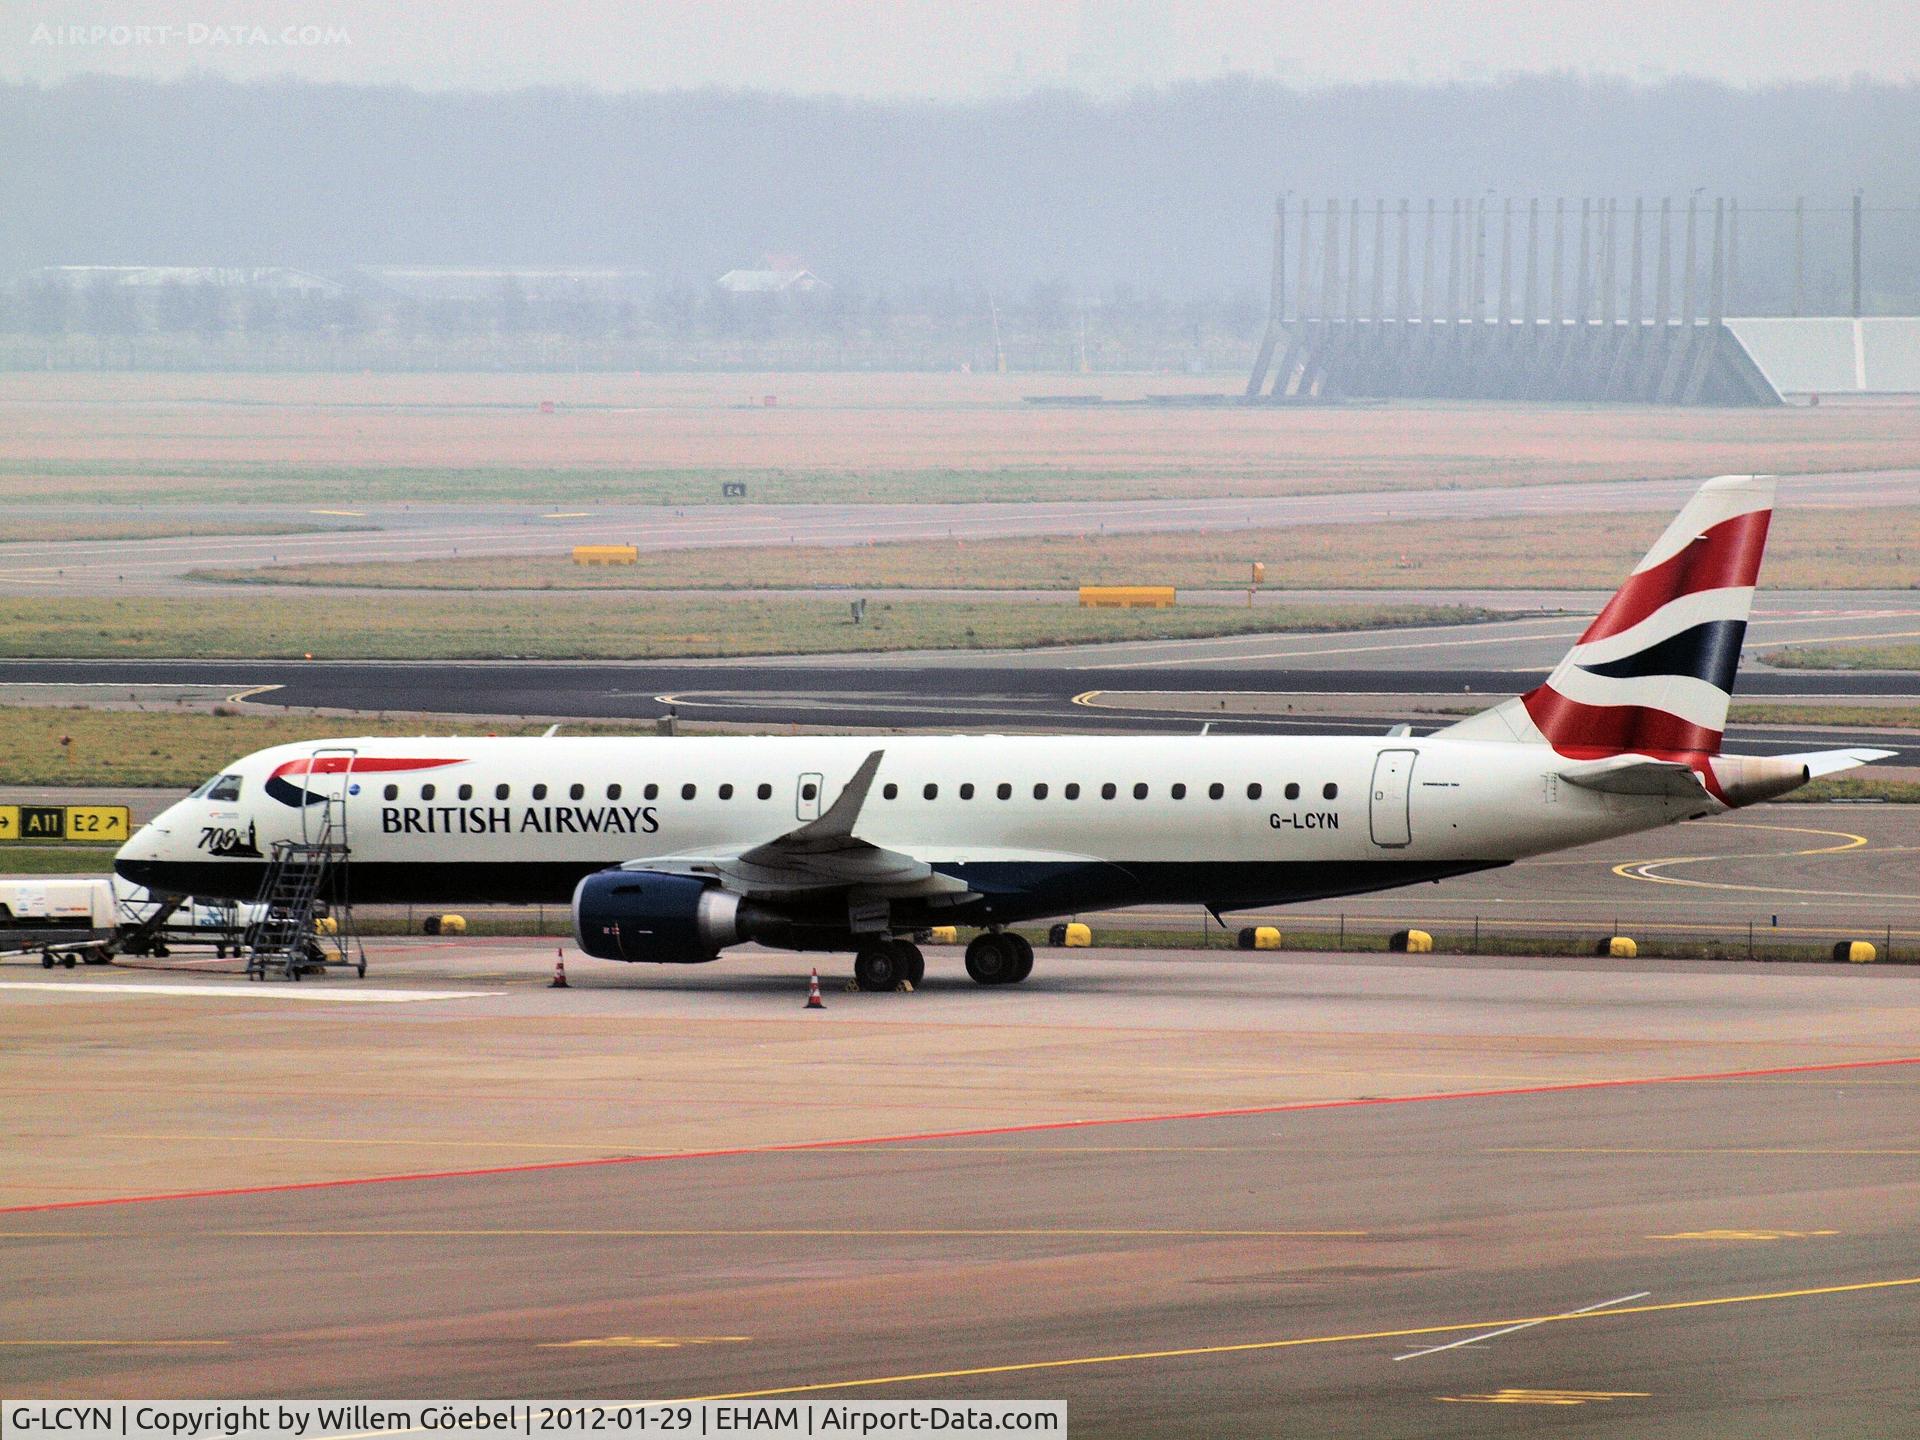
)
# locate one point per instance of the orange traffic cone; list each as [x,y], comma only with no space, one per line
[814,1002]
[559,981]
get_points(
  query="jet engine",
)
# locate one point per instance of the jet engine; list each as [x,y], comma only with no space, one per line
[645,915]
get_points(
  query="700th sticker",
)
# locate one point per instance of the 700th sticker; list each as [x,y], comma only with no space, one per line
[88,824]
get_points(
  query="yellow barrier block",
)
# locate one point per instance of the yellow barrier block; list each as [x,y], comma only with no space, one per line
[1266,937]
[943,935]
[1126,597]
[1411,942]
[453,924]
[606,554]
[1856,952]
[1079,935]
[326,925]
[1622,947]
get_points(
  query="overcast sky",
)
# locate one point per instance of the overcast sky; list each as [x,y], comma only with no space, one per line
[955,49]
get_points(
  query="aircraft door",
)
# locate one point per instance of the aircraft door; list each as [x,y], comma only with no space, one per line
[806,797]
[329,780]
[1392,798]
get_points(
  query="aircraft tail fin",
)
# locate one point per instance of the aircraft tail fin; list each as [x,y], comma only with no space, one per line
[1653,673]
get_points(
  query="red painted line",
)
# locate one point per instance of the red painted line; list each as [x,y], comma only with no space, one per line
[1038,1126]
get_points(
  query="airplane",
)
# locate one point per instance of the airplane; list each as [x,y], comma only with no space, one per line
[669,850]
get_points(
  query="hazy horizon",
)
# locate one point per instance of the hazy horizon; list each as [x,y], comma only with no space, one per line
[919,49]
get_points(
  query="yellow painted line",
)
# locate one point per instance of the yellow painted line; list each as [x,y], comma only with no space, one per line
[1743,1235]
[567,515]
[797,1232]
[1643,869]
[1253,1346]
[350,514]
[1682,1150]
[247,694]
[1542,1397]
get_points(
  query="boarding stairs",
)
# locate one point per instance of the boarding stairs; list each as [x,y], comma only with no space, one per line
[294,931]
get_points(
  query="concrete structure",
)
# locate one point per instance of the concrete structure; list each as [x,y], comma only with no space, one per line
[770,282]
[1834,354]
[1609,344]
[278,278]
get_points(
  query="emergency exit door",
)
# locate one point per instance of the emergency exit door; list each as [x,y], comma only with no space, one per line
[1392,798]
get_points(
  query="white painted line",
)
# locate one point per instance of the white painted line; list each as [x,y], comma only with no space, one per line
[247,990]
[1523,1325]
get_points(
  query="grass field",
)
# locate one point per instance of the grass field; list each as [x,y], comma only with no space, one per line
[239,439]
[486,626]
[1825,549]
[56,859]
[181,748]
[1890,656]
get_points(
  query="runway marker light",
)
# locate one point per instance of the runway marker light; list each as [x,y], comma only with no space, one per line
[559,981]
[814,1002]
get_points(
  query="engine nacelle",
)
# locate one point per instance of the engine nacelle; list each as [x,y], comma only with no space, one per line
[1749,779]
[644,915]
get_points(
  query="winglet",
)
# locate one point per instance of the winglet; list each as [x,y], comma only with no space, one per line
[837,822]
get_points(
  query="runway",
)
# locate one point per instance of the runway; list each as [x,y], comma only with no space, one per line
[439,531]
[1322,1194]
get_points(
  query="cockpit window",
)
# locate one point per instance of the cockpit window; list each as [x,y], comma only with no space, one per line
[225,787]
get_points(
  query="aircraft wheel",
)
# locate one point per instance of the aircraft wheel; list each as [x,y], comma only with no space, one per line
[69,960]
[1022,957]
[914,969]
[878,965]
[46,959]
[991,959]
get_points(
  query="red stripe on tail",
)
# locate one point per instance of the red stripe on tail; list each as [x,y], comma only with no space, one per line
[1572,727]
[1727,555]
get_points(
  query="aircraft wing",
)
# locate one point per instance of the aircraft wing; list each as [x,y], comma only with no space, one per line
[822,855]
[1636,775]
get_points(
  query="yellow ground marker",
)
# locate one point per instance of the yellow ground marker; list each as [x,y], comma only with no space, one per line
[1643,869]
[1543,1397]
[567,515]
[645,1342]
[1298,1342]
[349,514]
[1744,1235]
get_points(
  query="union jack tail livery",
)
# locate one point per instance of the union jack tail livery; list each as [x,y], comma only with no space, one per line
[1653,673]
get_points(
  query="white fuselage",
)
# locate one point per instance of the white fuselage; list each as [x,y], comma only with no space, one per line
[1040,825]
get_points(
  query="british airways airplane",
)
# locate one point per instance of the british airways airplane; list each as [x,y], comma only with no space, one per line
[671,850]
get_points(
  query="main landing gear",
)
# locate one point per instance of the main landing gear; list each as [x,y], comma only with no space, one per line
[999,957]
[883,963]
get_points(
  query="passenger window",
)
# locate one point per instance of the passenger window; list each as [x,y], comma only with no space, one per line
[1040,791]
[932,792]
[1140,791]
[1330,790]
[966,791]
[765,792]
[466,792]
[502,792]
[613,792]
[890,791]
[1004,791]
[1073,790]
[687,792]
[1179,791]
[392,792]
[1107,791]
[726,792]
[1253,791]
[426,792]
[539,792]
[576,792]
[652,792]
[1293,790]
[1216,790]
[227,787]
[809,790]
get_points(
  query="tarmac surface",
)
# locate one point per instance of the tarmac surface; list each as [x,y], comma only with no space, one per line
[1194,1194]
[412,532]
